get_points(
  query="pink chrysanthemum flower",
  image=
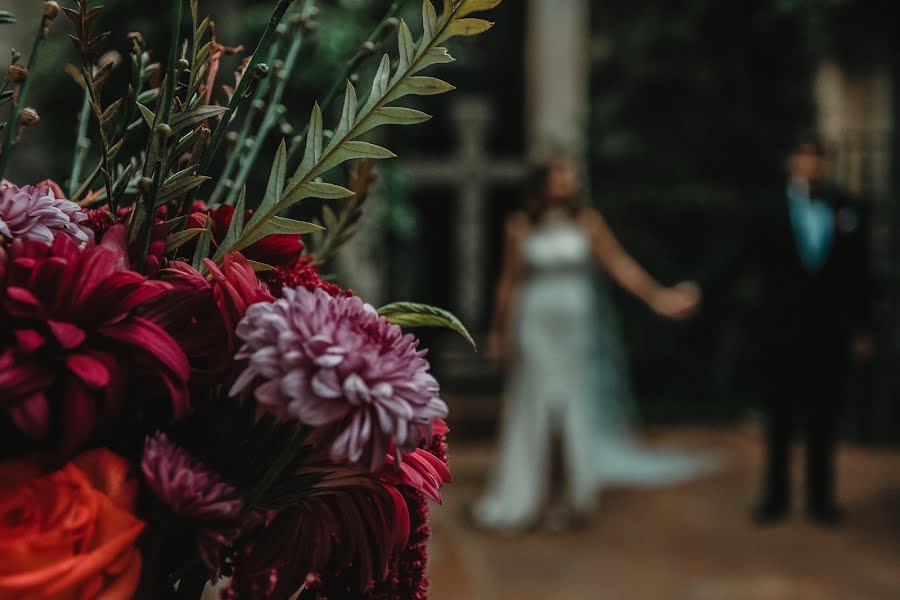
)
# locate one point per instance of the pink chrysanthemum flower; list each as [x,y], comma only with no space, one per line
[195,493]
[333,361]
[35,213]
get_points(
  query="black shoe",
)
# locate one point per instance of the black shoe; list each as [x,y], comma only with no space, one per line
[827,515]
[769,513]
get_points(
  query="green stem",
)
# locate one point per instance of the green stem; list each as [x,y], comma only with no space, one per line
[270,117]
[349,67]
[238,150]
[82,144]
[12,126]
[171,68]
[261,50]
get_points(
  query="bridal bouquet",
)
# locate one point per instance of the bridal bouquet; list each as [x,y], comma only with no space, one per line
[184,399]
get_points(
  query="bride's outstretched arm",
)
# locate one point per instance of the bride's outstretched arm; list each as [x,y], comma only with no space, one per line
[499,343]
[677,302]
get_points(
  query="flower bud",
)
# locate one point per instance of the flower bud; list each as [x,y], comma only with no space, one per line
[51,10]
[184,64]
[231,137]
[368,48]
[145,185]
[258,104]
[17,73]
[393,22]
[261,71]
[281,29]
[29,117]
[164,131]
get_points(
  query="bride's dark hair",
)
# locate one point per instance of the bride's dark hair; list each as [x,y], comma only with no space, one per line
[538,201]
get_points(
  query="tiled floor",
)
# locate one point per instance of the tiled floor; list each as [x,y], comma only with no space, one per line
[692,542]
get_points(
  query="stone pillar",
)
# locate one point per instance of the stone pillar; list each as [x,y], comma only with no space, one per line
[558,76]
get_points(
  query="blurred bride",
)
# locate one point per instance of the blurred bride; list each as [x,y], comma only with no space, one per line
[566,381]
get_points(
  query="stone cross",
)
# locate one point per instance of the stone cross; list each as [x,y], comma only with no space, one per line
[472,171]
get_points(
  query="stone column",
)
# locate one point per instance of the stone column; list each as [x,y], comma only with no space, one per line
[558,76]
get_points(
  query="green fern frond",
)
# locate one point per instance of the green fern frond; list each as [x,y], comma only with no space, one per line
[387,88]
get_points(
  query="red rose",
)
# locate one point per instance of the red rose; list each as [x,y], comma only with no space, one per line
[69,535]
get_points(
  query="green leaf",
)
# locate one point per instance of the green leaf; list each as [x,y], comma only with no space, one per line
[393,115]
[275,226]
[418,86]
[351,151]
[275,187]
[235,228]
[7,17]
[467,7]
[260,267]
[314,141]
[180,238]
[407,47]
[410,314]
[464,27]
[348,114]
[175,189]
[203,245]
[191,117]
[429,21]
[380,84]
[148,115]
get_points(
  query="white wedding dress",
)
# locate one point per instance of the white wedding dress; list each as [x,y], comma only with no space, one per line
[568,381]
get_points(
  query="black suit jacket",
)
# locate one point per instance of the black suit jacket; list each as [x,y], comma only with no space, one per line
[803,312]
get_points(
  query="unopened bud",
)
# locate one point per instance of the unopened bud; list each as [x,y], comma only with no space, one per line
[280,110]
[29,117]
[17,73]
[368,48]
[231,137]
[51,10]
[261,71]
[145,185]
[297,18]
[287,130]
[313,12]
[163,131]
[258,104]
[393,22]
[281,29]
[184,64]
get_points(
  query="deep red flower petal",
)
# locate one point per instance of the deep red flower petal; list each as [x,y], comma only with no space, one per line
[91,371]
[153,339]
[68,335]
[29,340]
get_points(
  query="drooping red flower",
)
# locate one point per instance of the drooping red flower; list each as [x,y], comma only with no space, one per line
[235,288]
[304,273]
[73,346]
[278,250]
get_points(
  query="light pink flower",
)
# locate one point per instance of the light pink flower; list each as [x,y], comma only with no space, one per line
[35,213]
[333,362]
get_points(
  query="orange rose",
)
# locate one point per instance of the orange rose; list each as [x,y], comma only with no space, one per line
[69,535]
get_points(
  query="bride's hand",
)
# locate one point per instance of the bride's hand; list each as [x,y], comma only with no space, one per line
[678,302]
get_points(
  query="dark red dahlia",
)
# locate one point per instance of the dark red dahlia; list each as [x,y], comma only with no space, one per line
[304,273]
[74,348]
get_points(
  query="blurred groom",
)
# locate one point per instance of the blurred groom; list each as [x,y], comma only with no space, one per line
[809,246]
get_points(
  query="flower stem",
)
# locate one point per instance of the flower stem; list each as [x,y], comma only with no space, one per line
[82,144]
[261,90]
[349,67]
[238,97]
[271,115]
[12,125]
